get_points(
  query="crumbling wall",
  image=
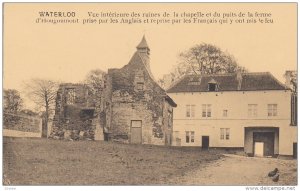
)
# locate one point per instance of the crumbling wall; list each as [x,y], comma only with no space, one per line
[75,117]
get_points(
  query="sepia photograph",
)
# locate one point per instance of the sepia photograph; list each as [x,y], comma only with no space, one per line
[150,94]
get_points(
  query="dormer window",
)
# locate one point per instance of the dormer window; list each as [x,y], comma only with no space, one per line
[212,86]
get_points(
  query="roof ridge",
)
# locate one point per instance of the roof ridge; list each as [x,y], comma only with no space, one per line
[255,73]
[248,81]
[228,74]
[209,75]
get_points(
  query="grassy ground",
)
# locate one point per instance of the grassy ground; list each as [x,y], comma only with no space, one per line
[53,162]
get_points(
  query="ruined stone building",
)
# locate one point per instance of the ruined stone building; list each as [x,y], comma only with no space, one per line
[141,111]
[132,107]
[77,112]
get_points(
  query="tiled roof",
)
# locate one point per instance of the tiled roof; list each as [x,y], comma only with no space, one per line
[227,82]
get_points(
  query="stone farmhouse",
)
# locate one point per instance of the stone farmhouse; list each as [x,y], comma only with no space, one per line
[132,107]
[250,111]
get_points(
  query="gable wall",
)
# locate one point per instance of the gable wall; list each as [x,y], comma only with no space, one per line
[128,104]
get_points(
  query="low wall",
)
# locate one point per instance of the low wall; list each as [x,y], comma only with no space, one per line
[14,133]
[15,125]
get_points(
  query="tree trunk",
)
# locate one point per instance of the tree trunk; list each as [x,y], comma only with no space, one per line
[46,116]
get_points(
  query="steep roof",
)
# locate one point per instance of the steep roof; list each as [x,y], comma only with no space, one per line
[143,43]
[123,77]
[228,82]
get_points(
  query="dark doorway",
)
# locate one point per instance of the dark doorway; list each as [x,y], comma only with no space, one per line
[294,150]
[267,138]
[205,142]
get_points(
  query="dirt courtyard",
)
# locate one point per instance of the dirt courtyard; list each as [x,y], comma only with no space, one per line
[240,170]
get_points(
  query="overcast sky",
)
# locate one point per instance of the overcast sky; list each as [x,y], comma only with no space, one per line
[68,52]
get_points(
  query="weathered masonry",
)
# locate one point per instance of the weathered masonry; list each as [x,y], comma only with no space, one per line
[132,107]
[77,113]
[141,111]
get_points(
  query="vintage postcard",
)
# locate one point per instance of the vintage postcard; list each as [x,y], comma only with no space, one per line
[147,94]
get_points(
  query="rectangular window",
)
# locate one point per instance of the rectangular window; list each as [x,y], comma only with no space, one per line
[272,109]
[252,110]
[190,136]
[225,113]
[70,96]
[190,110]
[139,77]
[227,133]
[224,133]
[140,86]
[187,136]
[206,110]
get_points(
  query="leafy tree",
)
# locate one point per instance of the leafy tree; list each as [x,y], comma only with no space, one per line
[201,59]
[96,82]
[95,79]
[13,102]
[209,59]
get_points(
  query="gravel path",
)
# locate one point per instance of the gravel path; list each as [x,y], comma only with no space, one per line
[240,170]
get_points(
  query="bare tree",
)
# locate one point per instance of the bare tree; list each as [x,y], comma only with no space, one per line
[13,102]
[43,93]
